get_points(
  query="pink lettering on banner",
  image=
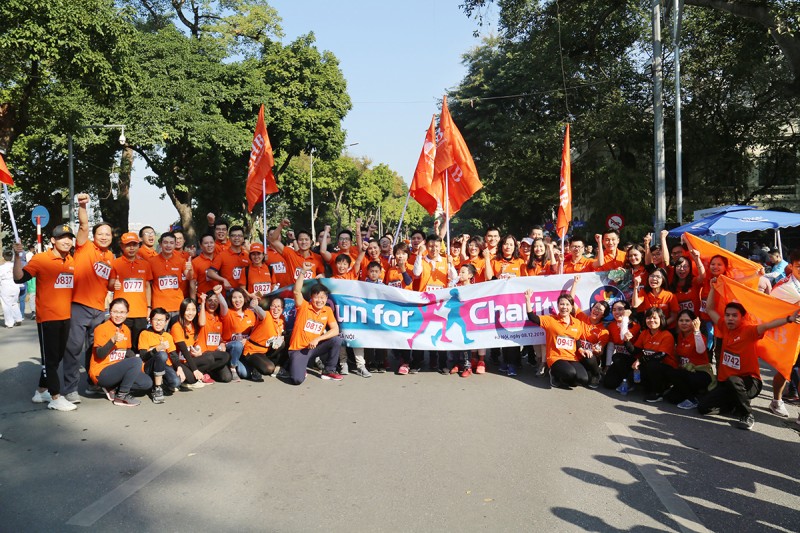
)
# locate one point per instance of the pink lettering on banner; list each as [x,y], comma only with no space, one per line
[507,310]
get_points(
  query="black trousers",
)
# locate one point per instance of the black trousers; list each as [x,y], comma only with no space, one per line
[733,394]
[53,336]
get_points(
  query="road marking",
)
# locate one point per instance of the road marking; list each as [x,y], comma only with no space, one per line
[91,514]
[648,467]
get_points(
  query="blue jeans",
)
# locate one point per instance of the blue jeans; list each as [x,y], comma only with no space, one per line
[235,349]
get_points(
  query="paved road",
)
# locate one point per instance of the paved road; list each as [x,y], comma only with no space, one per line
[390,453]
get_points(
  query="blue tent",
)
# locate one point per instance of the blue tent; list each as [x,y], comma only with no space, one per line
[737,219]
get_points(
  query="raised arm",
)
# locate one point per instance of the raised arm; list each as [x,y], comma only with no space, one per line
[83,220]
[274,236]
[297,290]
[794,318]
[533,317]
[664,249]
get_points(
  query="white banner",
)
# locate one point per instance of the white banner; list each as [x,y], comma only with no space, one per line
[485,315]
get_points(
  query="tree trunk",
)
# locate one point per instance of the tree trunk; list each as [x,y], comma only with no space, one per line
[183,204]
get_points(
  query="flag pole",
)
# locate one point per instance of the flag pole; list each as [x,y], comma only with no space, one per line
[402,215]
[11,213]
[563,257]
[264,212]
[447,216]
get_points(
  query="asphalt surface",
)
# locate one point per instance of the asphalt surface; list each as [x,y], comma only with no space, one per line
[421,452]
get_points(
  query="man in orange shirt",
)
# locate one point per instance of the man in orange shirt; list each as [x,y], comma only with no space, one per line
[147,238]
[229,265]
[296,259]
[575,261]
[92,270]
[188,286]
[739,375]
[168,267]
[203,262]
[310,338]
[611,257]
[492,239]
[219,228]
[130,279]
[54,271]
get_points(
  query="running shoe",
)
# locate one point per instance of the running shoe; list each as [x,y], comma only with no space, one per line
[454,370]
[73,397]
[208,380]
[511,370]
[256,376]
[404,369]
[345,370]
[687,404]
[110,393]
[466,373]
[61,404]
[363,372]
[157,395]
[779,408]
[41,397]
[235,375]
[746,422]
[124,399]
[414,371]
[503,368]
[653,398]
[331,376]
[480,368]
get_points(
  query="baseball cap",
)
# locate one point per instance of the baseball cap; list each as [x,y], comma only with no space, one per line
[129,237]
[256,247]
[527,240]
[62,230]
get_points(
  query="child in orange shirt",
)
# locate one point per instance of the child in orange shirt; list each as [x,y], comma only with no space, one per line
[158,352]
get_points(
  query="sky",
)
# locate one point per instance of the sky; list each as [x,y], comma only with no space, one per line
[398,58]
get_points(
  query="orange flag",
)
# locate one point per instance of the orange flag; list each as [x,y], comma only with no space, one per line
[260,179]
[739,268]
[422,186]
[5,175]
[780,345]
[454,161]
[564,190]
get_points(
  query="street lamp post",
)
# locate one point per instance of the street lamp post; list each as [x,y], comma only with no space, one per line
[71,172]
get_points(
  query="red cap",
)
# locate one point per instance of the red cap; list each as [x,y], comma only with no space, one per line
[256,247]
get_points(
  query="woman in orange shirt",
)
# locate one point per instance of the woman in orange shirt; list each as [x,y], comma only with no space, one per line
[214,359]
[655,354]
[618,358]
[538,263]
[237,323]
[472,253]
[595,340]
[694,373]
[198,365]
[266,344]
[114,365]
[685,284]
[634,260]
[506,265]
[656,295]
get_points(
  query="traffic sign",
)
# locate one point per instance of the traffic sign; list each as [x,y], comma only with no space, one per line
[616,222]
[43,214]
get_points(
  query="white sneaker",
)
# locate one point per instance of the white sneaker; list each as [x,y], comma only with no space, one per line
[779,408]
[61,404]
[73,397]
[41,397]
[345,370]
[363,372]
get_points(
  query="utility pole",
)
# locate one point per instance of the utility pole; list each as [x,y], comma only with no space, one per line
[658,122]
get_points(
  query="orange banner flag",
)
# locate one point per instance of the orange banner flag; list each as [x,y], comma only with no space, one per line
[780,345]
[422,187]
[739,268]
[5,175]
[260,179]
[564,190]
[454,161]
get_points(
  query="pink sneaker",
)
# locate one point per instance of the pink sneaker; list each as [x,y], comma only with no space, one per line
[332,376]
[480,368]
[403,369]
[466,373]
[208,380]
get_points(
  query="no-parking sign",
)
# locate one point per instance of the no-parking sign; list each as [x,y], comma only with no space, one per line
[615,221]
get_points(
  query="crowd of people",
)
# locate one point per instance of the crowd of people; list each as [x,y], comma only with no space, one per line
[163,318]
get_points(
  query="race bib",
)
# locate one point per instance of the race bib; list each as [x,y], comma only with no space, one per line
[648,353]
[239,337]
[307,274]
[116,355]
[684,361]
[702,306]
[167,282]
[263,288]
[396,283]
[278,268]
[620,348]
[586,345]
[313,326]
[63,281]
[237,272]
[102,270]
[133,285]
[687,305]
[507,275]
[731,360]
[565,343]
[212,339]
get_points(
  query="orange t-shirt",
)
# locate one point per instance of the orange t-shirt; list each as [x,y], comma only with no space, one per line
[584,264]
[665,301]
[184,282]
[350,275]
[508,268]
[561,339]
[434,276]
[237,327]
[310,324]
[54,281]
[149,339]
[615,336]
[200,264]
[231,266]
[480,268]
[181,334]
[102,334]
[281,276]
[133,276]
[686,351]
[689,299]
[166,288]
[536,270]
[146,253]
[394,278]
[612,261]
[595,333]
[259,279]
[92,270]
[661,341]
[210,336]
[365,263]
[220,247]
[738,356]
[352,252]
[294,263]
[263,332]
